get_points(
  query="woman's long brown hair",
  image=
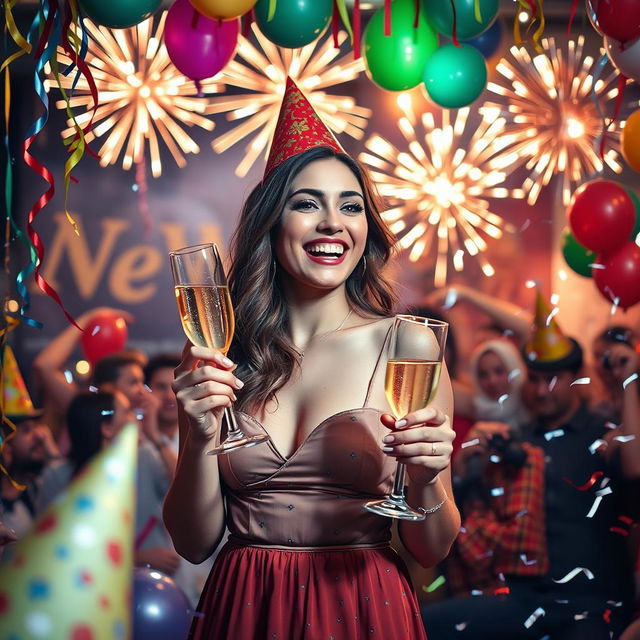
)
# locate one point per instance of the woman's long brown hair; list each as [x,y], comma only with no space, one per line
[261,346]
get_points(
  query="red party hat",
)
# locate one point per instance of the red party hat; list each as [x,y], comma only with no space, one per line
[298,129]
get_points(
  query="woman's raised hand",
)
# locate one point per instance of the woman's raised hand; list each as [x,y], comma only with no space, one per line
[204,386]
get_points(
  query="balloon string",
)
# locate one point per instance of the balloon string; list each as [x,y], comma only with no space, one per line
[387,17]
[271,12]
[476,11]
[247,19]
[622,82]
[356,29]
[572,15]
[144,533]
[344,15]
[335,25]
[454,28]
[416,18]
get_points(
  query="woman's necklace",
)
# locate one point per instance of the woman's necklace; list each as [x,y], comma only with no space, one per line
[324,335]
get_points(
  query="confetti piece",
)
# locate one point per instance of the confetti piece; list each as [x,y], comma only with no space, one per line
[596,444]
[476,592]
[461,626]
[526,562]
[470,443]
[501,577]
[554,312]
[606,616]
[604,492]
[533,617]
[501,591]
[562,602]
[148,388]
[450,299]
[629,380]
[494,458]
[553,382]
[522,513]
[581,616]
[93,389]
[596,266]
[620,530]
[581,381]
[436,584]
[526,225]
[463,530]
[594,507]
[611,425]
[95,330]
[514,373]
[68,376]
[573,573]
[107,412]
[556,433]
[503,398]
[497,491]
[623,439]
[592,480]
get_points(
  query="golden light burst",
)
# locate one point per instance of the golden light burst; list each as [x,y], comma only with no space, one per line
[554,124]
[262,72]
[143,98]
[440,186]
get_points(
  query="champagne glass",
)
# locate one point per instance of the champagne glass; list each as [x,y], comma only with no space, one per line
[207,318]
[414,360]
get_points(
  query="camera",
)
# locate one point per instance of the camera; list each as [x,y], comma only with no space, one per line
[509,449]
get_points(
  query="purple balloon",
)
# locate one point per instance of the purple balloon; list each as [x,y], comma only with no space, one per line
[161,611]
[199,46]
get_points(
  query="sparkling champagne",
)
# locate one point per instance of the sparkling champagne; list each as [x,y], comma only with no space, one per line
[206,315]
[410,384]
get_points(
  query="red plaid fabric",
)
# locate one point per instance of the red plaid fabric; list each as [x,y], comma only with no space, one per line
[508,537]
[298,129]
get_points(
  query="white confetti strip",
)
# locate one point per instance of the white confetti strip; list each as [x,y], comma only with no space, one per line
[522,513]
[594,507]
[95,330]
[68,376]
[461,626]
[539,612]
[514,373]
[596,444]
[494,458]
[497,491]
[470,443]
[629,380]
[581,381]
[476,592]
[581,616]
[573,573]
[623,439]
[450,299]
[526,562]
[554,312]
[604,492]
[556,433]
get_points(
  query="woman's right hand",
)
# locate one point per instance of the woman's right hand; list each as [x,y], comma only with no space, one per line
[204,386]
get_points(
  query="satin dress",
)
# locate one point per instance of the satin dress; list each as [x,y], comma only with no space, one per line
[304,558]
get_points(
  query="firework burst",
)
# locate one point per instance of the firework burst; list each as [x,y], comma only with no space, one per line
[261,72]
[441,185]
[142,99]
[553,110]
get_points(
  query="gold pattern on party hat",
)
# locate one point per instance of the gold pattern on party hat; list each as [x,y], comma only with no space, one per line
[16,401]
[299,128]
[71,575]
[547,342]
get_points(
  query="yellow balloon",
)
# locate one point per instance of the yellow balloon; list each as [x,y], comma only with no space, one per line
[631,140]
[223,9]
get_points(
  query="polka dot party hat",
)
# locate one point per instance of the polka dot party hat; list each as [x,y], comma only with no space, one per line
[70,577]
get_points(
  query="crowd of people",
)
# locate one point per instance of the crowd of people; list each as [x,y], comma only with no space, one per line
[526,479]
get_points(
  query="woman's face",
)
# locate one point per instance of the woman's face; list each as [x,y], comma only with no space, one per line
[493,376]
[323,228]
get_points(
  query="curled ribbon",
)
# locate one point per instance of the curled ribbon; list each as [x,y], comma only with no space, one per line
[592,480]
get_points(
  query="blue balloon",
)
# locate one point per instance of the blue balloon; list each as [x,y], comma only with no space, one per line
[488,42]
[161,611]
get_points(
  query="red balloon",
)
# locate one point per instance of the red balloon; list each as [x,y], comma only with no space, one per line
[617,275]
[601,215]
[106,333]
[618,19]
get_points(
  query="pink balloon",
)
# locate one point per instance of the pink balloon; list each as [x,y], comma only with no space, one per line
[199,46]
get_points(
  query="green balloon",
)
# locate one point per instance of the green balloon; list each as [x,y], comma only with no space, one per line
[396,62]
[455,76]
[576,256]
[636,204]
[440,14]
[295,23]
[119,14]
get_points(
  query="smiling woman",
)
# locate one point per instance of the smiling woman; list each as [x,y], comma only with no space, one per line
[313,314]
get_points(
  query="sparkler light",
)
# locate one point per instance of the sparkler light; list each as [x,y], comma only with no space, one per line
[554,124]
[262,75]
[142,96]
[441,185]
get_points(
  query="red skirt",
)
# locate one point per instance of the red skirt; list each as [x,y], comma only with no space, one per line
[256,593]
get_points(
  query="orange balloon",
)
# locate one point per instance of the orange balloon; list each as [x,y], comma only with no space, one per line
[631,141]
[223,9]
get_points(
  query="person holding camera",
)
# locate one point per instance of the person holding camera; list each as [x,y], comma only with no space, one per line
[548,534]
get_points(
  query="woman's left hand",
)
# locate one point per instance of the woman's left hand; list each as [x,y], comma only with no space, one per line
[424,443]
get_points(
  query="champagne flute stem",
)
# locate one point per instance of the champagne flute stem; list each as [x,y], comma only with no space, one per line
[234,432]
[397,492]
